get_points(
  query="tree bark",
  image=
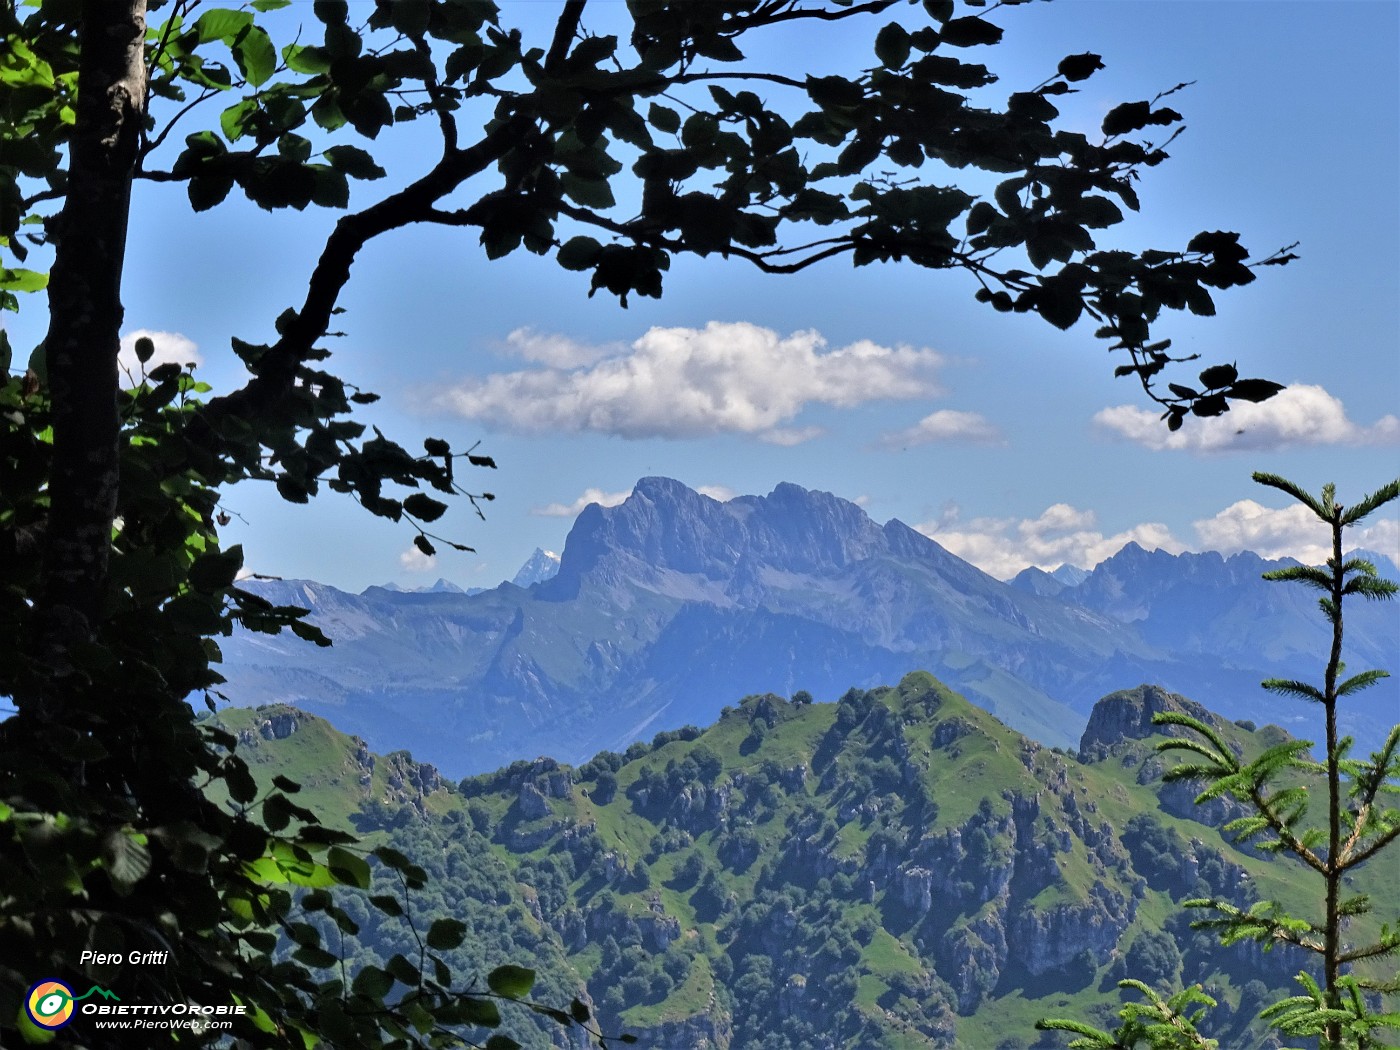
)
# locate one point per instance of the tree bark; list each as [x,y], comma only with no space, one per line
[85,317]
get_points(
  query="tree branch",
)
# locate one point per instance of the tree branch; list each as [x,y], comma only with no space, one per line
[564,32]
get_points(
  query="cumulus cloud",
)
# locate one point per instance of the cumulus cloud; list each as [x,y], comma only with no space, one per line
[733,378]
[171,347]
[556,351]
[946,425]
[1063,534]
[414,560]
[1060,535]
[572,510]
[1298,415]
[1292,532]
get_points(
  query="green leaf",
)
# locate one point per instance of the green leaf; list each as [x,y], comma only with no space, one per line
[1097,212]
[403,971]
[481,1012]
[271,5]
[969,32]
[513,982]
[892,46]
[1253,390]
[1217,376]
[939,10]
[348,868]
[1080,67]
[373,982]
[579,253]
[392,858]
[205,191]
[222,24]
[389,905]
[1199,301]
[316,958]
[1032,105]
[663,118]
[1129,116]
[216,570]
[23,280]
[276,814]
[410,17]
[446,934]
[591,193]
[1059,302]
[353,161]
[128,860]
[306,59]
[255,55]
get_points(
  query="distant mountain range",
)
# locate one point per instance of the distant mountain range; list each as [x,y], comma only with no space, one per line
[540,566]
[672,599]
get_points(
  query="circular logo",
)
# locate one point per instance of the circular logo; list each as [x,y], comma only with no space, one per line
[50,1004]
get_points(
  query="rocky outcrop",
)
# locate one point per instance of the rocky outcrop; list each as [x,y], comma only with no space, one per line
[1127,716]
[530,802]
[710,1030]
[273,723]
[1048,940]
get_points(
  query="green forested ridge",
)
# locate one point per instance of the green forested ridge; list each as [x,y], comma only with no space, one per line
[894,869]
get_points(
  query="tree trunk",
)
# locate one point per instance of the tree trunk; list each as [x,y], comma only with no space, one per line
[85,317]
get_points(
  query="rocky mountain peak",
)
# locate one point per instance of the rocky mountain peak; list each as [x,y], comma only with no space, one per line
[668,526]
[540,566]
[1127,715]
[1037,581]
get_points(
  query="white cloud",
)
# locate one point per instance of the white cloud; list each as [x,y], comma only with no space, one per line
[414,560]
[1298,415]
[1062,534]
[946,425]
[170,347]
[572,510]
[556,351]
[722,493]
[733,378]
[1292,532]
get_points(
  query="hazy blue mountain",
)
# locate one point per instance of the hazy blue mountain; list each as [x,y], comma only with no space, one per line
[540,566]
[1038,581]
[1071,575]
[442,586]
[671,598]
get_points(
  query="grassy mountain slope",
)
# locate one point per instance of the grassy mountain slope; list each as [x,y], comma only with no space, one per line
[898,869]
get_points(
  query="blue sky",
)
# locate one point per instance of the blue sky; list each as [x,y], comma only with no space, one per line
[1002,438]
